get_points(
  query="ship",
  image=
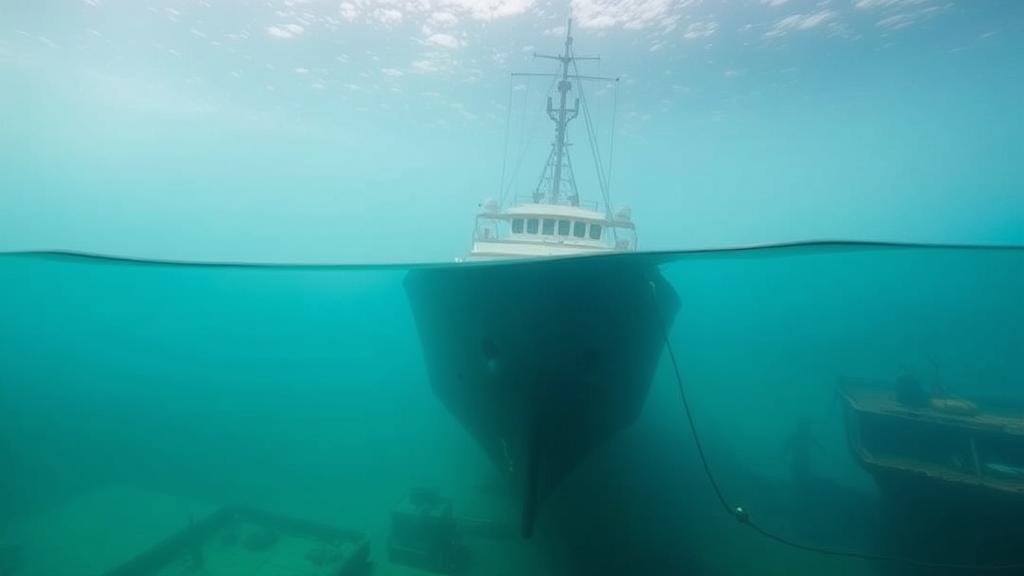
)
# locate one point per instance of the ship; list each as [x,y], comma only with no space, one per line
[935,450]
[544,339]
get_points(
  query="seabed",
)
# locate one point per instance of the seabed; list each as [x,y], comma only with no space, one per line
[113,529]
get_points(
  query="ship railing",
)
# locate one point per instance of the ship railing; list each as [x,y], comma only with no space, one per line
[588,204]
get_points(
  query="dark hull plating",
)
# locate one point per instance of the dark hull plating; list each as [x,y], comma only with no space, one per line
[542,361]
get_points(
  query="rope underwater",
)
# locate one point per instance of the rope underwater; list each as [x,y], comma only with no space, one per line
[743,517]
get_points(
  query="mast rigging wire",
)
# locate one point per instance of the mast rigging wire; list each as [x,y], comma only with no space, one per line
[611,142]
[524,139]
[504,153]
[592,139]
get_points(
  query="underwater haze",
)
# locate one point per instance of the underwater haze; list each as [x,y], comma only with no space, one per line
[137,397]
[211,361]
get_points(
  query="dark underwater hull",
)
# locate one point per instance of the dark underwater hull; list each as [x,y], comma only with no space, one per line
[542,361]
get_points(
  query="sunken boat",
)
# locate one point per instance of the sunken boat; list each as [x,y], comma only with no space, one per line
[934,450]
[544,340]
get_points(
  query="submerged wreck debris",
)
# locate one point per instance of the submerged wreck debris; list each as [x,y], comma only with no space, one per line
[946,451]
[425,534]
[340,558]
[234,539]
[326,555]
[950,474]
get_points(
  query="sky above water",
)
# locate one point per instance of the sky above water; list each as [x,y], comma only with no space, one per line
[371,130]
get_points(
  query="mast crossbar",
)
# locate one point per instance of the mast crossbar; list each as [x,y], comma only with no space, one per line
[571,76]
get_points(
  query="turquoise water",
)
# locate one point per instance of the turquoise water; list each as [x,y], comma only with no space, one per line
[139,395]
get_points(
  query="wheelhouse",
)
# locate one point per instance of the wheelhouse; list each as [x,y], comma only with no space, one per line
[535,229]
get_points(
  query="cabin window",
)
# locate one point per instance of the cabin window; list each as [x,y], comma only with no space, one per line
[595,231]
[531,226]
[579,229]
[563,227]
[517,226]
[548,227]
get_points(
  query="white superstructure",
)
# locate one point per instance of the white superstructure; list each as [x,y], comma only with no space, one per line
[534,230]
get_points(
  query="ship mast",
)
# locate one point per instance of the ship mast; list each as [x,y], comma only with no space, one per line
[558,169]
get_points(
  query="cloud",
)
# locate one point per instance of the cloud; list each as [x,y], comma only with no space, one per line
[424,66]
[490,9]
[896,22]
[387,16]
[899,13]
[443,19]
[443,41]
[869,4]
[795,22]
[631,14]
[774,3]
[392,72]
[437,13]
[285,31]
[700,30]
[348,11]
[434,61]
